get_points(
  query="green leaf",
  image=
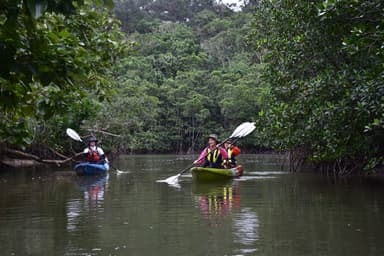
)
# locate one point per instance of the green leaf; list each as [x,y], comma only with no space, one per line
[109,4]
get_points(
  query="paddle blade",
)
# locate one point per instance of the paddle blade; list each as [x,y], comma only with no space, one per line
[172,181]
[250,128]
[71,133]
[239,129]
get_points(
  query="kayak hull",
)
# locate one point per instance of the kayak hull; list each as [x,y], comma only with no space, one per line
[214,174]
[90,169]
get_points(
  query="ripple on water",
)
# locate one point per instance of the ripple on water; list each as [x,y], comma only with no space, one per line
[246,230]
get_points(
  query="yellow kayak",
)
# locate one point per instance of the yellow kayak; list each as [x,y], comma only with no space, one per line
[216,174]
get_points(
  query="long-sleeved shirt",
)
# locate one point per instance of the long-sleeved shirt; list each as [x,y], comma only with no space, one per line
[203,154]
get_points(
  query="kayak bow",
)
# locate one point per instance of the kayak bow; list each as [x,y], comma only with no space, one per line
[91,168]
[216,174]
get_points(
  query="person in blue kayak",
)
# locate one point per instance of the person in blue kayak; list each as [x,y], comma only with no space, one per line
[232,152]
[213,156]
[93,153]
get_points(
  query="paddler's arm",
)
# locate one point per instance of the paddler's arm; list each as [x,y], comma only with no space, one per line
[201,158]
[85,154]
[103,157]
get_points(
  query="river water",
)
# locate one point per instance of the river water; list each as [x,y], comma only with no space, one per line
[266,212]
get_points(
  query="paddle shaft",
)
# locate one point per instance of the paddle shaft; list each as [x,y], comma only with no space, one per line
[221,143]
[75,136]
[237,134]
[185,169]
[244,131]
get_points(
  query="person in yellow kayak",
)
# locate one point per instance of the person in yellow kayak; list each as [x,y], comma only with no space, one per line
[213,156]
[232,152]
[93,153]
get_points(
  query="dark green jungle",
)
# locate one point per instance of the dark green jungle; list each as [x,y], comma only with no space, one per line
[158,76]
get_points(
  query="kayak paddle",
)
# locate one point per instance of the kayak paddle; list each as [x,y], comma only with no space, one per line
[74,135]
[174,179]
[241,131]
[71,133]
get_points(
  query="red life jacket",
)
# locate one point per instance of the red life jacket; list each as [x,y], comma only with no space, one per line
[93,155]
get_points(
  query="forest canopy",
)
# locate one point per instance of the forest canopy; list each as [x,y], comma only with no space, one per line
[158,76]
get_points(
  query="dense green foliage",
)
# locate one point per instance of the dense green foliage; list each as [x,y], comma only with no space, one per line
[325,74]
[63,59]
[310,73]
[53,58]
[180,87]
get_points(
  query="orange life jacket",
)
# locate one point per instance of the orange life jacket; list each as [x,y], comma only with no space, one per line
[93,155]
[236,151]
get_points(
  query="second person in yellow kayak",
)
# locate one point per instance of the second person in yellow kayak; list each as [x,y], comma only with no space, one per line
[232,152]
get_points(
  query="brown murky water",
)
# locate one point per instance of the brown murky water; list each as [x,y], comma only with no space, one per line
[266,212]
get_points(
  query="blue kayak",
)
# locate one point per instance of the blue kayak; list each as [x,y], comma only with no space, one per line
[91,168]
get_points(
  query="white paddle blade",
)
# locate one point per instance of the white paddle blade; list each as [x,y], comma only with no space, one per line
[174,180]
[71,133]
[250,128]
[239,129]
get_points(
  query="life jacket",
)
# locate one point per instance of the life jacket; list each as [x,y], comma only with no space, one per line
[231,157]
[213,158]
[236,151]
[93,155]
[232,152]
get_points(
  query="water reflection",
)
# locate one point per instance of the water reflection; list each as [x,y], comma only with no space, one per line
[292,215]
[246,229]
[215,200]
[220,204]
[93,189]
